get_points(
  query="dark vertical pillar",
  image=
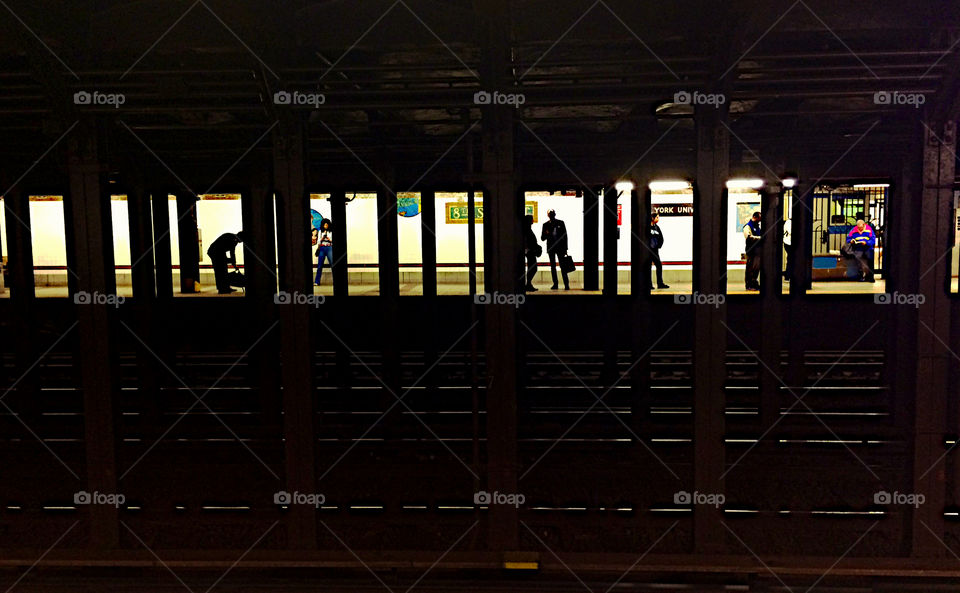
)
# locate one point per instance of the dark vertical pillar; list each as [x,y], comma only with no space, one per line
[22,299]
[141,243]
[150,374]
[802,236]
[502,273]
[710,335]
[69,237]
[771,320]
[472,241]
[933,332]
[93,251]
[640,285]
[338,212]
[259,268]
[296,374]
[610,282]
[259,251]
[428,241]
[189,240]
[388,245]
[610,241]
[162,253]
[591,240]
[389,266]
[428,252]
[341,278]
[640,260]
[20,249]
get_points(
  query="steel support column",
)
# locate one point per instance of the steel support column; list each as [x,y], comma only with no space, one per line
[502,273]
[93,250]
[296,374]
[710,335]
[932,272]
[641,338]
[189,242]
[260,274]
[770,314]
[591,239]
[160,207]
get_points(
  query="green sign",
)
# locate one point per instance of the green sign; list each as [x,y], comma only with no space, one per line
[458,213]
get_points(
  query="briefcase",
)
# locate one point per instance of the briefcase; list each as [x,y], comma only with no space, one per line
[566,264]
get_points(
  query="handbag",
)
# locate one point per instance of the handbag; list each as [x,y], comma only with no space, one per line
[566,264]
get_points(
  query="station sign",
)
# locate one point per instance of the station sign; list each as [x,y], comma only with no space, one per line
[672,209]
[457,212]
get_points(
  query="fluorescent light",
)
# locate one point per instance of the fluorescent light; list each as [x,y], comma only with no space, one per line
[744,183]
[624,186]
[788,182]
[869,185]
[669,185]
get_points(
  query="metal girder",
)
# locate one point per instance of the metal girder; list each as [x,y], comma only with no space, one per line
[933,322]
[93,248]
[296,374]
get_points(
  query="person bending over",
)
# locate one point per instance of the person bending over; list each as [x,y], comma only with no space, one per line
[223,252]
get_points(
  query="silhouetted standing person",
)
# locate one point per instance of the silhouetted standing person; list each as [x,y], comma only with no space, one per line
[324,248]
[656,242]
[532,250]
[555,234]
[222,252]
[752,236]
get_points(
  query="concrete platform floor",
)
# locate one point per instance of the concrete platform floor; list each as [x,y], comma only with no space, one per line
[411,289]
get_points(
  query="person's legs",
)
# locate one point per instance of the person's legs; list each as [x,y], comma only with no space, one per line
[531,269]
[553,267]
[325,253]
[788,273]
[659,265]
[752,275]
[220,273]
[865,272]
